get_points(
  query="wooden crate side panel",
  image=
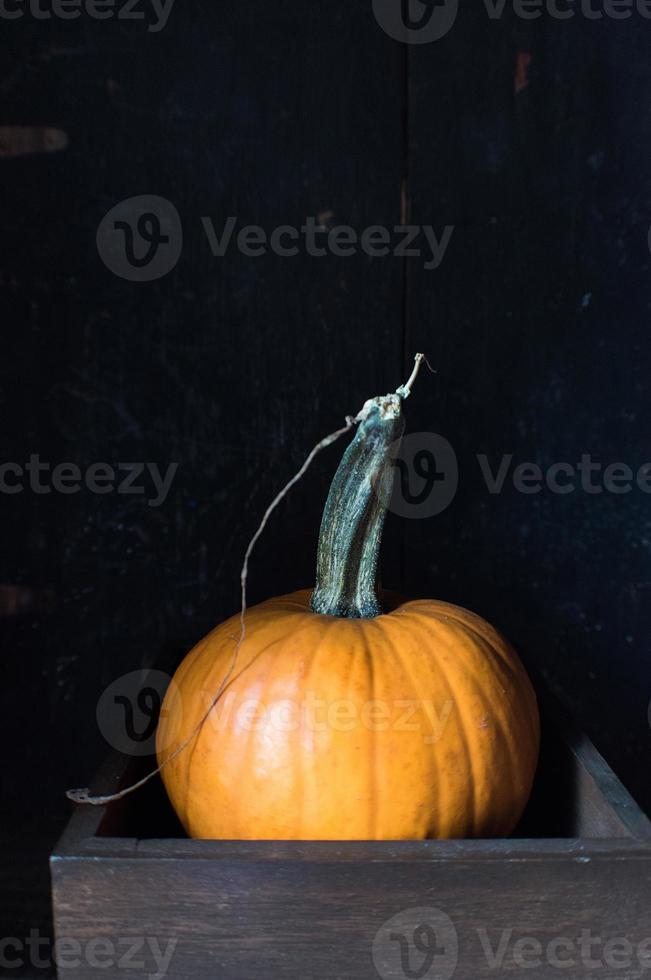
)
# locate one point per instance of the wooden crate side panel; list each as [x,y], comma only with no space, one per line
[247,920]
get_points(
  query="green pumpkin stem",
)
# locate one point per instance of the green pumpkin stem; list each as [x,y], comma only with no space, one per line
[353,517]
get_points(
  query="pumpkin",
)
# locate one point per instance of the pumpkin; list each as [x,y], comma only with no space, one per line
[350,714]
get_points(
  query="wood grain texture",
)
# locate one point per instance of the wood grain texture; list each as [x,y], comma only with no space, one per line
[248,921]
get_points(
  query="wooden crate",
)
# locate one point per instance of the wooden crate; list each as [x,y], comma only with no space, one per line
[573,884]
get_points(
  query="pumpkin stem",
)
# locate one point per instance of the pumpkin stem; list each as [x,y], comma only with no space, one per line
[353,517]
[405,390]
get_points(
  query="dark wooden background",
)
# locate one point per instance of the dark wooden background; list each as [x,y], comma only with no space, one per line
[537,323]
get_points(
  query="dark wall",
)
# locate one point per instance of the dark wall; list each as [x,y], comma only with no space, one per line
[233,366]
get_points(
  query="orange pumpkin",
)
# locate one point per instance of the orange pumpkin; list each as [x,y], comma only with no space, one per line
[343,720]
